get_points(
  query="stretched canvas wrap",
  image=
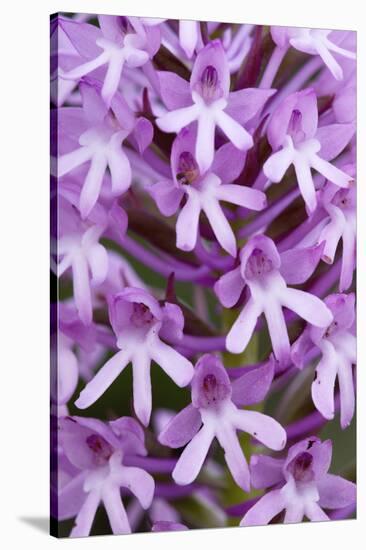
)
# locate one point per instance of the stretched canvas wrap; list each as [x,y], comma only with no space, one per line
[203,240]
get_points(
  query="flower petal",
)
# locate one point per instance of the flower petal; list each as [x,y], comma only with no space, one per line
[234,456]
[276,166]
[307,306]
[305,181]
[336,492]
[228,163]
[265,509]
[322,389]
[84,519]
[187,223]
[167,196]
[243,105]
[277,331]
[347,393]
[116,512]
[174,121]
[334,138]
[120,169]
[242,196]
[140,483]
[103,379]
[264,428]
[219,224]
[241,332]
[298,264]
[142,399]
[315,513]
[182,428]
[253,386]
[176,366]
[238,135]
[265,471]
[175,91]
[92,184]
[193,457]
[332,173]
[81,286]
[229,287]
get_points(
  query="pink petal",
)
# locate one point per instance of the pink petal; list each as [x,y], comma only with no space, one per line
[103,379]
[142,399]
[242,196]
[265,509]
[182,428]
[116,512]
[81,286]
[187,223]
[234,132]
[229,287]
[234,456]
[84,519]
[92,184]
[242,329]
[264,428]
[191,460]
[322,389]
[347,393]
[275,167]
[278,331]
[219,224]
[176,366]
[175,91]
[174,121]
[253,386]
[307,306]
[336,492]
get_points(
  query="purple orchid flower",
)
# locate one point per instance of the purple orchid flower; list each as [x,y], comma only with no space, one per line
[313,42]
[296,140]
[94,134]
[337,345]
[214,413]
[119,41]
[204,191]
[139,321]
[207,100]
[338,224]
[300,484]
[267,273]
[78,248]
[96,450]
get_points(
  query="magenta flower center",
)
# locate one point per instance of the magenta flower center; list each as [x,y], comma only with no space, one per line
[209,84]
[188,170]
[300,467]
[258,265]
[295,126]
[141,316]
[101,448]
[213,391]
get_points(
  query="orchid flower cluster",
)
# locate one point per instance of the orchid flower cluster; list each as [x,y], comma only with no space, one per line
[203,245]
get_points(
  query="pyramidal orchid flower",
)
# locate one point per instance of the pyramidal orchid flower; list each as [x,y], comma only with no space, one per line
[96,450]
[204,191]
[337,345]
[266,273]
[300,485]
[119,41]
[313,42]
[207,101]
[338,224]
[139,322]
[214,413]
[78,249]
[94,135]
[296,140]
